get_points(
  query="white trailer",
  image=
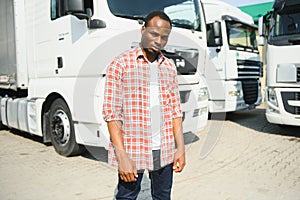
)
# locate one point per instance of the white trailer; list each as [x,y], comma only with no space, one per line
[54,55]
[280,33]
[233,67]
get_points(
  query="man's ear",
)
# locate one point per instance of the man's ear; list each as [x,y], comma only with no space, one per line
[143,29]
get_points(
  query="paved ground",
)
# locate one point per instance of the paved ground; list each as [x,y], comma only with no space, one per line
[240,158]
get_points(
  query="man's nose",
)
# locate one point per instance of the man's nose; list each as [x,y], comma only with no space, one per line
[158,40]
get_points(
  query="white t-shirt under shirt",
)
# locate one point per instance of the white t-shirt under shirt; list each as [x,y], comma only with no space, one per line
[155,106]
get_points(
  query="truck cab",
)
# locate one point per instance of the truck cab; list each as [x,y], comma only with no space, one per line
[233,67]
[280,34]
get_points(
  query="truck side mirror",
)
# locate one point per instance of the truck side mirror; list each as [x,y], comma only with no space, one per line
[214,34]
[77,8]
[96,23]
[261,27]
[261,31]
[73,7]
[261,41]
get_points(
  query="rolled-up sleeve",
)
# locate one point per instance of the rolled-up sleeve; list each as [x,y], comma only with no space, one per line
[175,99]
[112,105]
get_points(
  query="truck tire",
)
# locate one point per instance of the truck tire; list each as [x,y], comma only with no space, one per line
[62,132]
[2,126]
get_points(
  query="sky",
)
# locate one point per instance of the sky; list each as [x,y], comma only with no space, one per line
[245,2]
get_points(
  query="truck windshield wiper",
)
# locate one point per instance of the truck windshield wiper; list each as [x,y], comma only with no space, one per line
[295,41]
[239,45]
[182,23]
[137,17]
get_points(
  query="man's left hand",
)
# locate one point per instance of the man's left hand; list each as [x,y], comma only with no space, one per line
[179,161]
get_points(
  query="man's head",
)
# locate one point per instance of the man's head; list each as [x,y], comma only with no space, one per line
[159,14]
[155,33]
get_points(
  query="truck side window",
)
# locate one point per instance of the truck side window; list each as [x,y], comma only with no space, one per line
[54,9]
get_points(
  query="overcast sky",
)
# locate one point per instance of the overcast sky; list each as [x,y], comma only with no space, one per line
[245,2]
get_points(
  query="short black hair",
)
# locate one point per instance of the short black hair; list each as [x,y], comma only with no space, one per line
[157,13]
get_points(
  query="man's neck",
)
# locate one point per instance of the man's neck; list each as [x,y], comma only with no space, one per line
[151,57]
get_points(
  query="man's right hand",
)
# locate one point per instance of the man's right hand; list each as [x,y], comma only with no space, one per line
[127,168]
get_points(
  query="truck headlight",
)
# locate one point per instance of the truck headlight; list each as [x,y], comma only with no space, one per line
[203,94]
[234,93]
[236,90]
[272,97]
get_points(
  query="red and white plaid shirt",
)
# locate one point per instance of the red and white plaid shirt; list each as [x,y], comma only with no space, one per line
[127,99]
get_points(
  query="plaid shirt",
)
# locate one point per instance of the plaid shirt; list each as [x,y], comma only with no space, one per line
[127,99]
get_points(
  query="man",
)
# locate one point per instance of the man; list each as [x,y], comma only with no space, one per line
[143,113]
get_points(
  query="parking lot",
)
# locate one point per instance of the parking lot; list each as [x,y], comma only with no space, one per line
[240,157]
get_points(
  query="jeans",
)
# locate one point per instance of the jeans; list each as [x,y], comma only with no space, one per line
[161,184]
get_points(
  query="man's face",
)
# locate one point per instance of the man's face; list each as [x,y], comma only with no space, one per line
[155,35]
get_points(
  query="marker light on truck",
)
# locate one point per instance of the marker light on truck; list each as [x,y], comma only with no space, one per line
[272,97]
[203,94]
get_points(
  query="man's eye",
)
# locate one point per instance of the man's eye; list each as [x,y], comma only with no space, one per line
[154,34]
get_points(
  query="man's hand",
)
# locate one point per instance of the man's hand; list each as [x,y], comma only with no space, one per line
[179,156]
[127,168]
[179,161]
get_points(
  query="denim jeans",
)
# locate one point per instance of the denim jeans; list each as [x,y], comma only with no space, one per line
[161,183]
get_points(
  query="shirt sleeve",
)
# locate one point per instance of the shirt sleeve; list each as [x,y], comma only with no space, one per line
[112,104]
[175,98]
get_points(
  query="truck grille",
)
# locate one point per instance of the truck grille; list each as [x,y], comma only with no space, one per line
[250,91]
[286,96]
[249,69]
[185,59]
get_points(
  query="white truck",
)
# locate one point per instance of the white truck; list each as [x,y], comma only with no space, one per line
[233,67]
[280,33]
[54,55]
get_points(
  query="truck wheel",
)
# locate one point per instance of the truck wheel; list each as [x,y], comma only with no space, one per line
[2,126]
[62,132]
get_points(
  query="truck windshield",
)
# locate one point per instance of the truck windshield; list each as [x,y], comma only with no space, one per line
[285,26]
[241,35]
[183,13]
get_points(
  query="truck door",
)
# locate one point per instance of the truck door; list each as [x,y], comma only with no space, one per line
[216,51]
[69,24]
[216,60]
